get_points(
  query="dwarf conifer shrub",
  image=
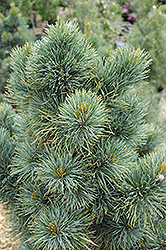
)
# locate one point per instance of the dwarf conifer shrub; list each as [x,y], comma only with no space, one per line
[79,165]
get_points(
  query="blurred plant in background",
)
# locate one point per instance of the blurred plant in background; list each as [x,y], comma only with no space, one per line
[49,9]
[46,9]
[13,32]
[98,20]
[150,34]
[128,14]
[133,9]
[5,5]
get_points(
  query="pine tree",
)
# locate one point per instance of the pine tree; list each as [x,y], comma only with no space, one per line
[79,163]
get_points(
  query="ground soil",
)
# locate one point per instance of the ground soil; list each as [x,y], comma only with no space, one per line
[6,241]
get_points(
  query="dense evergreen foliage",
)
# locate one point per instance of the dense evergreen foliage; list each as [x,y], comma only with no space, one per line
[79,163]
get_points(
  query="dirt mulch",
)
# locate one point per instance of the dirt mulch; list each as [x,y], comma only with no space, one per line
[6,241]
